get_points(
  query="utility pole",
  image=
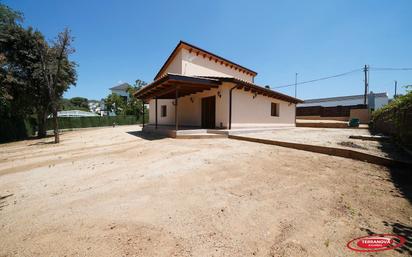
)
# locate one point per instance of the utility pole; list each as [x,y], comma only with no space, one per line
[296,85]
[396,87]
[366,83]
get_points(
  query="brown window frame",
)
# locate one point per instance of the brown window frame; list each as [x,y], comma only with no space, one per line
[274,109]
[163,111]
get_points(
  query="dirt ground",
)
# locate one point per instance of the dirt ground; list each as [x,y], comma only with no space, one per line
[116,192]
[333,137]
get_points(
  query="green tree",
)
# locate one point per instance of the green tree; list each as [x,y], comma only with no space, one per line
[33,74]
[134,106]
[12,80]
[57,72]
[115,103]
[9,16]
[80,103]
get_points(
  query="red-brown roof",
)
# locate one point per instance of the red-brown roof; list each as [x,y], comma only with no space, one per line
[248,86]
[205,53]
[164,87]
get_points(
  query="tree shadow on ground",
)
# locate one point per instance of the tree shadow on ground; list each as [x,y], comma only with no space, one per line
[3,200]
[400,175]
[146,136]
[402,180]
[398,229]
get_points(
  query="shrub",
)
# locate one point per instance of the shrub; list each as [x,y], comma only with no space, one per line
[12,129]
[395,119]
[87,122]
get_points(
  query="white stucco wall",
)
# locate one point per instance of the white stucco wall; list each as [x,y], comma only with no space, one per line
[175,66]
[170,117]
[193,65]
[380,102]
[256,112]
[246,110]
[190,113]
[120,92]
[190,64]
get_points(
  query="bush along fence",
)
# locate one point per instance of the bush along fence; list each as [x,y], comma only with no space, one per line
[87,122]
[19,129]
[395,119]
[12,129]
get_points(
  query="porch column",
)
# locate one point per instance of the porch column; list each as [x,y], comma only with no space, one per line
[156,112]
[230,107]
[176,118]
[142,113]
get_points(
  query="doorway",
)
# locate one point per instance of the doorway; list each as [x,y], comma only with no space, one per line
[209,112]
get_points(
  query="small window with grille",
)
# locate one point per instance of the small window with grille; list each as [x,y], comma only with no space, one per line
[163,112]
[274,110]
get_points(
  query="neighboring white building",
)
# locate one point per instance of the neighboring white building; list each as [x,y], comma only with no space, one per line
[374,101]
[196,88]
[94,106]
[74,113]
[121,90]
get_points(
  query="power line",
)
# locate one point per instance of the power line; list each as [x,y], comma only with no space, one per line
[383,69]
[319,79]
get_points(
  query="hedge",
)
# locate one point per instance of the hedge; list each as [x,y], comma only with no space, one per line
[87,122]
[12,129]
[395,119]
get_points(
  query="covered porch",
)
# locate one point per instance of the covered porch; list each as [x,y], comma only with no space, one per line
[167,92]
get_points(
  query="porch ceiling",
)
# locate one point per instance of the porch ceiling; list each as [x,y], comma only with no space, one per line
[165,87]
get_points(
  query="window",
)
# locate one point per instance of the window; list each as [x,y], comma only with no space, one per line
[163,111]
[274,110]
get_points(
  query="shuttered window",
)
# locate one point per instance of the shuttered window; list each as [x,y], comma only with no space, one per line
[163,111]
[274,110]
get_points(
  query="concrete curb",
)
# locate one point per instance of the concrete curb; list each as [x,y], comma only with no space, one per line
[340,152]
[194,136]
[321,125]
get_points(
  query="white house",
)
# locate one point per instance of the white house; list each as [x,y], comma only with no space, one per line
[121,90]
[373,100]
[196,88]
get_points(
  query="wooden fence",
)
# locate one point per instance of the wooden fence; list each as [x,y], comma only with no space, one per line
[334,111]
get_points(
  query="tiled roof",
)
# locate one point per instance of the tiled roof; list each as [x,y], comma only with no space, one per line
[122,86]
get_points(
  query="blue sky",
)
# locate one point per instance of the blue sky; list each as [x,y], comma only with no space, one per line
[128,40]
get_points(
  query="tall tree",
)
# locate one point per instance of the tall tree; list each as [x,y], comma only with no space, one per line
[134,106]
[9,16]
[9,23]
[58,72]
[33,74]
[80,103]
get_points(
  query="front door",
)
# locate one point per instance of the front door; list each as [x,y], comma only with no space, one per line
[208,112]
